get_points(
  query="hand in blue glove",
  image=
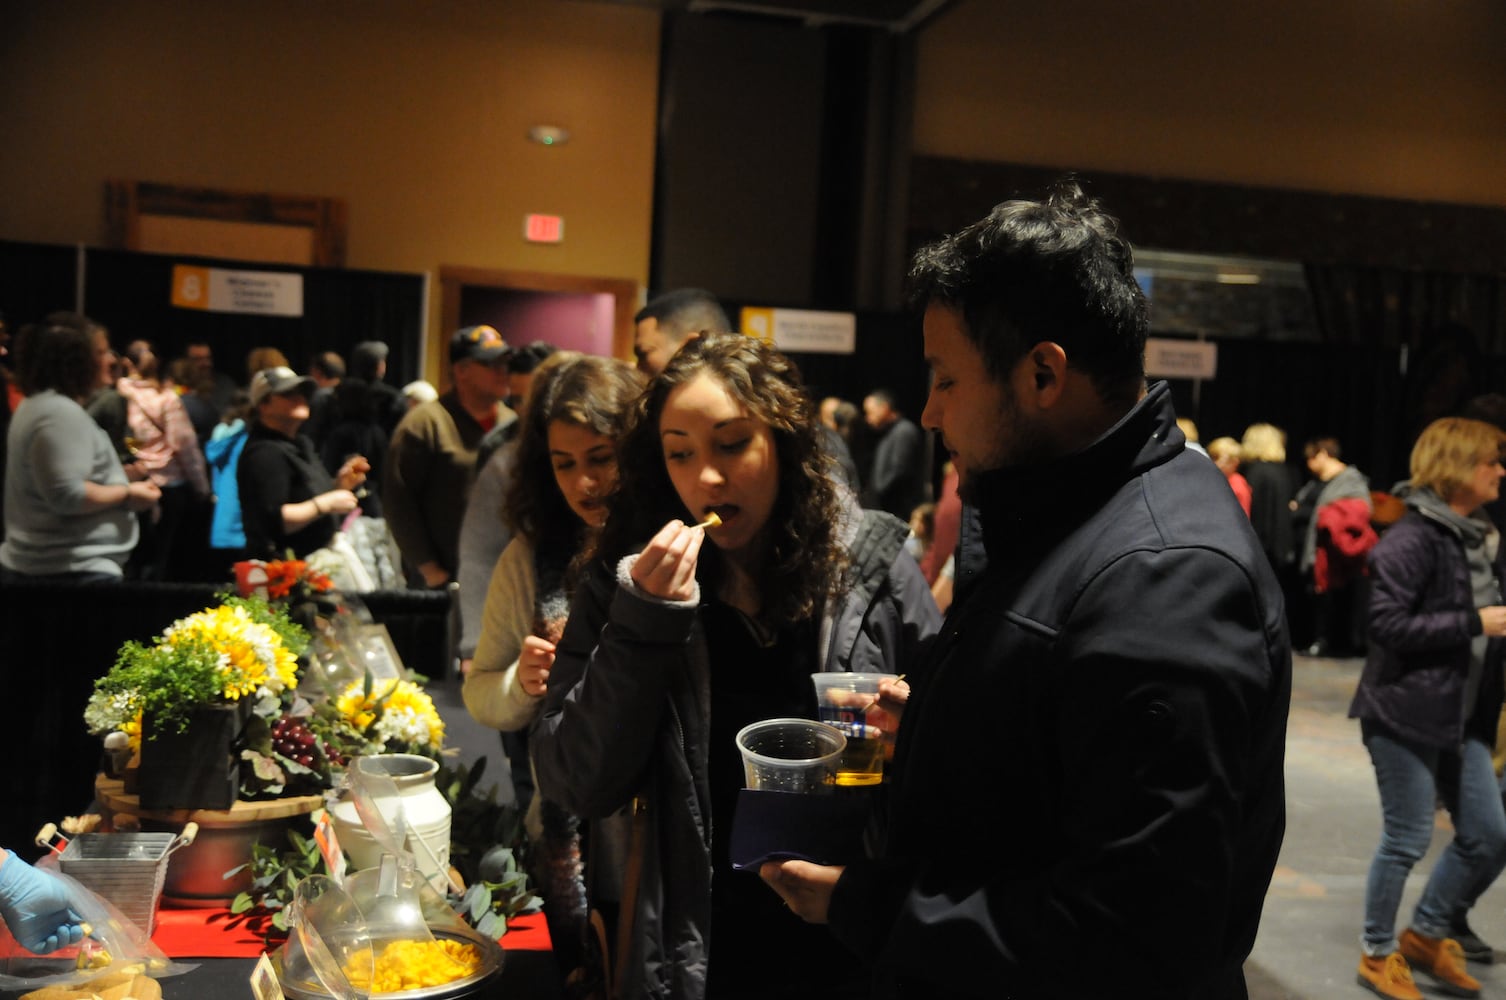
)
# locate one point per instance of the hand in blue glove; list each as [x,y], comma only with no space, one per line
[35,907]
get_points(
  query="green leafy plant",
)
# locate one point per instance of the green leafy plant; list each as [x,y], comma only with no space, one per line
[167,681]
[488,847]
[274,879]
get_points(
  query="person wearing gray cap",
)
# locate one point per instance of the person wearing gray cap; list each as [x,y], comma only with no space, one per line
[288,500]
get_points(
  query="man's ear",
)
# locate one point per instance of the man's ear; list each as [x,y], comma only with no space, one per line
[1047,364]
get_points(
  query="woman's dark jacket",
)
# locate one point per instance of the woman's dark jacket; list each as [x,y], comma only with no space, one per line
[1272,487]
[627,714]
[1422,619]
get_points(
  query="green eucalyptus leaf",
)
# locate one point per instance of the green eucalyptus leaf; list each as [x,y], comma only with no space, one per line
[481,902]
[492,926]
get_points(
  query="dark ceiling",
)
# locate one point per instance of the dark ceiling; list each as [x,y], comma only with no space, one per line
[898,16]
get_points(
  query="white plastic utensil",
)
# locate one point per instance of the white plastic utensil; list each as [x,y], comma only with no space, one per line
[394,913]
[332,935]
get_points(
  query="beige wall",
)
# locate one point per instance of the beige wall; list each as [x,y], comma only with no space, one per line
[413,112]
[1391,98]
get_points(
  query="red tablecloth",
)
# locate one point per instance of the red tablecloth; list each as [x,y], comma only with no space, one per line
[208,934]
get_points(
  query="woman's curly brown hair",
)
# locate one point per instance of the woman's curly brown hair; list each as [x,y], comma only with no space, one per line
[585,390]
[806,559]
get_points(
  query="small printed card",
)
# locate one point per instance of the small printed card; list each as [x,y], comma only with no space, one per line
[264,984]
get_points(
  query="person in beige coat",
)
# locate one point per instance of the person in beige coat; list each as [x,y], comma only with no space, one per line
[566,469]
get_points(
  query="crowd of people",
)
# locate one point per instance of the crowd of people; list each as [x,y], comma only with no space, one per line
[119,466]
[1122,618]
[648,559]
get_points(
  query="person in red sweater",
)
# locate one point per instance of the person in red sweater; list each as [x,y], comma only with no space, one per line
[1226,454]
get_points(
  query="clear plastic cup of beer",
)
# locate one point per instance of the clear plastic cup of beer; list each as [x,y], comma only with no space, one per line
[849,701]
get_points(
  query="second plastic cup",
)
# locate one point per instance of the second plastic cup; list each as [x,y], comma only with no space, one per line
[791,755]
[849,702]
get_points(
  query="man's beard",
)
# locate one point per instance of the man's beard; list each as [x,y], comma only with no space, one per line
[1023,443]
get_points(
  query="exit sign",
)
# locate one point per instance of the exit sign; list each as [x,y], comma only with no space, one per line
[543,228]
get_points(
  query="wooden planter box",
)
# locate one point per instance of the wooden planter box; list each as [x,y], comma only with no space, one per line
[194,769]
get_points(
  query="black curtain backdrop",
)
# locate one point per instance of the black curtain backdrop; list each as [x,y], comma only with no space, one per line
[36,279]
[57,639]
[131,293]
[889,354]
[1350,392]
[1399,349]
[1436,340]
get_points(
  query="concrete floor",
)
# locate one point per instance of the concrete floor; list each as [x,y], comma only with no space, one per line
[1308,944]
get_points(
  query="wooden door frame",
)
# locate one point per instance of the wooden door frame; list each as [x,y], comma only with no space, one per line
[625,294]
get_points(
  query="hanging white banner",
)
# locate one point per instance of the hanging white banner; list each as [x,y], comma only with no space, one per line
[802,330]
[1168,358]
[215,289]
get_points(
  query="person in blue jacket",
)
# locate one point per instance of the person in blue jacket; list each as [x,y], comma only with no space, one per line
[1088,790]
[222,453]
[674,645]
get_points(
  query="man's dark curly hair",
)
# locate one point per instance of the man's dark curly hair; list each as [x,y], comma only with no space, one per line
[585,390]
[1032,271]
[806,559]
[58,354]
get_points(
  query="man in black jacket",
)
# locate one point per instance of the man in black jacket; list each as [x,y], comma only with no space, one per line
[896,480]
[1087,794]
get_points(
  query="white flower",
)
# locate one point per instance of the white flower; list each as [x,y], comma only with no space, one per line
[107,711]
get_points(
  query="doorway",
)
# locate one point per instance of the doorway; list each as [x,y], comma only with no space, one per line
[591,315]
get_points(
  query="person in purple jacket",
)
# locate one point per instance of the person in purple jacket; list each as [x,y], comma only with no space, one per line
[1428,702]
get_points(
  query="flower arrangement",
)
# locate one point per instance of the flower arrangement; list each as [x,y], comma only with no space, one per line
[395,715]
[242,649]
[305,593]
[294,580]
[246,652]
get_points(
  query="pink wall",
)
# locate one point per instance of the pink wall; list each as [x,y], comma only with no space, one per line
[568,321]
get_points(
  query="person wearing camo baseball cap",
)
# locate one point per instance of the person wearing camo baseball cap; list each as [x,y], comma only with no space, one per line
[432,458]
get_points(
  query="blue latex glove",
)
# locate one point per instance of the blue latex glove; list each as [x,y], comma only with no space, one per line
[35,907]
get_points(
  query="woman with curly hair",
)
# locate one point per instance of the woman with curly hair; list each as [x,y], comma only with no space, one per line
[565,468]
[674,646]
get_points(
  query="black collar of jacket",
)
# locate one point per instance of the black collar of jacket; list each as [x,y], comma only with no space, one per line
[1026,511]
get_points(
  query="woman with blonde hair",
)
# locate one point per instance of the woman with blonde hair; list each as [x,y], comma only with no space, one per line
[1428,702]
[1273,485]
[259,359]
[1227,454]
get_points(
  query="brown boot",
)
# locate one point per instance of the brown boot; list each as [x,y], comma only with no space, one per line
[1441,958]
[1388,976]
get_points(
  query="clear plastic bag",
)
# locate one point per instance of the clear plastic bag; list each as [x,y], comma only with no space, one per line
[114,944]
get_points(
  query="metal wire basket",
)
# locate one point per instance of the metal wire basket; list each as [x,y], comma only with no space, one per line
[128,869]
